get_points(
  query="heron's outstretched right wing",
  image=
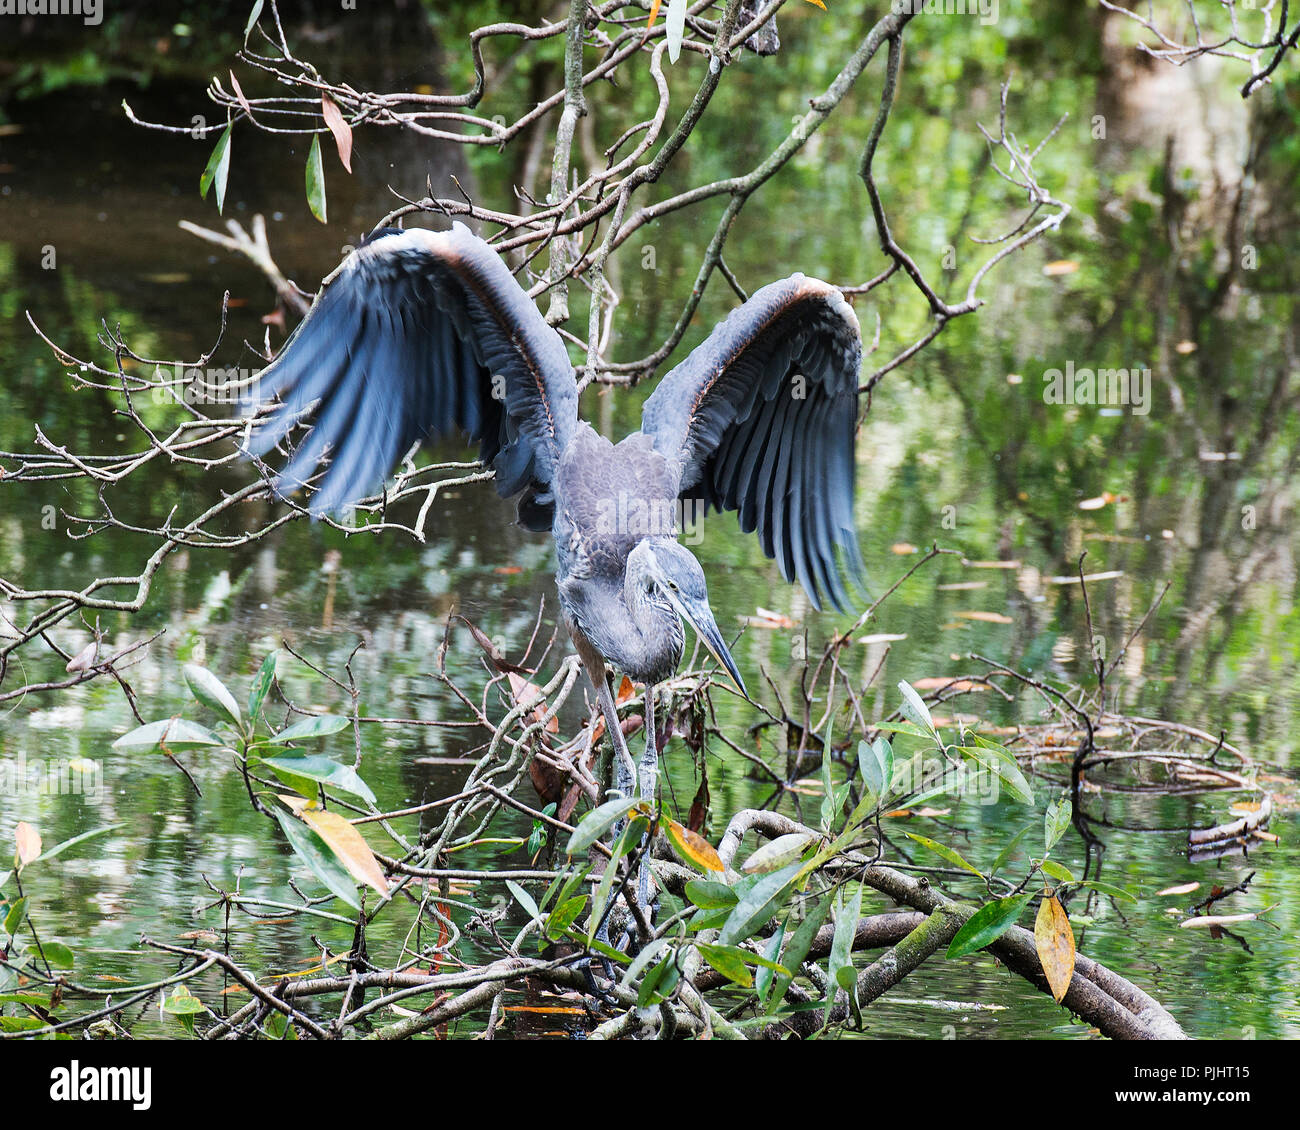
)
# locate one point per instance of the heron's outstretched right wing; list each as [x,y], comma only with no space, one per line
[761,419]
[420,333]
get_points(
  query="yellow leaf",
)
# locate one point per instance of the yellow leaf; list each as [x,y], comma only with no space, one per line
[654,12]
[28,840]
[1054,941]
[693,848]
[347,843]
[296,804]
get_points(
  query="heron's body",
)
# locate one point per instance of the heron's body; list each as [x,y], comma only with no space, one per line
[608,500]
[422,333]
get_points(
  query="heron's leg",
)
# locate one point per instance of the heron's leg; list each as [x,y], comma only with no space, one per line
[624,766]
[624,776]
[649,778]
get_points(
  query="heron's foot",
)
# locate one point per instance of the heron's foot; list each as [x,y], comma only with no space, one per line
[594,987]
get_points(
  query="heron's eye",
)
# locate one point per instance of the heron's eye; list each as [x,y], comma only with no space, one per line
[672,585]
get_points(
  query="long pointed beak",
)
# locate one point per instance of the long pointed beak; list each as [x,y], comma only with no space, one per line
[701,619]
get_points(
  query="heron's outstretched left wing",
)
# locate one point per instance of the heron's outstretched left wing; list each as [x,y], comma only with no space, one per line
[761,419]
[421,333]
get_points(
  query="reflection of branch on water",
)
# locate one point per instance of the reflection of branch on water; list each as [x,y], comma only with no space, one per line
[1232,838]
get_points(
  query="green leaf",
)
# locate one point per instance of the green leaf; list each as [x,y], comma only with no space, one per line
[876,764]
[1055,822]
[643,960]
[709,919]
[597,822]
[563,885]
[174,733]
[14,918]
[1109,889]
[729,961]
[37,1000]
[768,970]
[632,834]
[778,853]
[261,686]
[916,711]
[758,904]
[841,959]
[914,770]
[212,693]
[318,727]
[800,943]
[252,19]
[318,767]
[1002,764]
[988,924]
[945,852]
[659,982]
[278,1027]
[316,181]
[182,1003]
[56,953]
[1007,852]
[564,916]
[524,899]
[709,894]
[314,852]
[20,1023]
[828,811]
[902,728]
[218,169]
[1057,871]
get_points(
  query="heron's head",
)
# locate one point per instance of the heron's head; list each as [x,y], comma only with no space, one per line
[678,580]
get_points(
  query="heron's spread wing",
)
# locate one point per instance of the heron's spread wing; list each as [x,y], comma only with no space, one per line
[761,418]
[421,333]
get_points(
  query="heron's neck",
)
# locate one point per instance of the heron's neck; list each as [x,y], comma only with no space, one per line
[662,638]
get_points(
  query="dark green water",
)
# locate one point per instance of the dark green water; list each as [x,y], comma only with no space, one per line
[959,448]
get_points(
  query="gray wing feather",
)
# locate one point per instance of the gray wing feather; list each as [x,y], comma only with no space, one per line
[411,341]
[743,432]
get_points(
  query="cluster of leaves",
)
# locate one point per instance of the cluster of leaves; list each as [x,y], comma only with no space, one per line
[216,173]
[326,841]
[1053,935]
[38,957]
[726,915]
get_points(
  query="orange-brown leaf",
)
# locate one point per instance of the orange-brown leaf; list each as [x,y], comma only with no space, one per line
[239,94]
[692,847]
[339,128]
[524,692]
[1054,941]
[349,846]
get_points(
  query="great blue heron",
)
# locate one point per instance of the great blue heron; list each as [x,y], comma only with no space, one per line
[423,332]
